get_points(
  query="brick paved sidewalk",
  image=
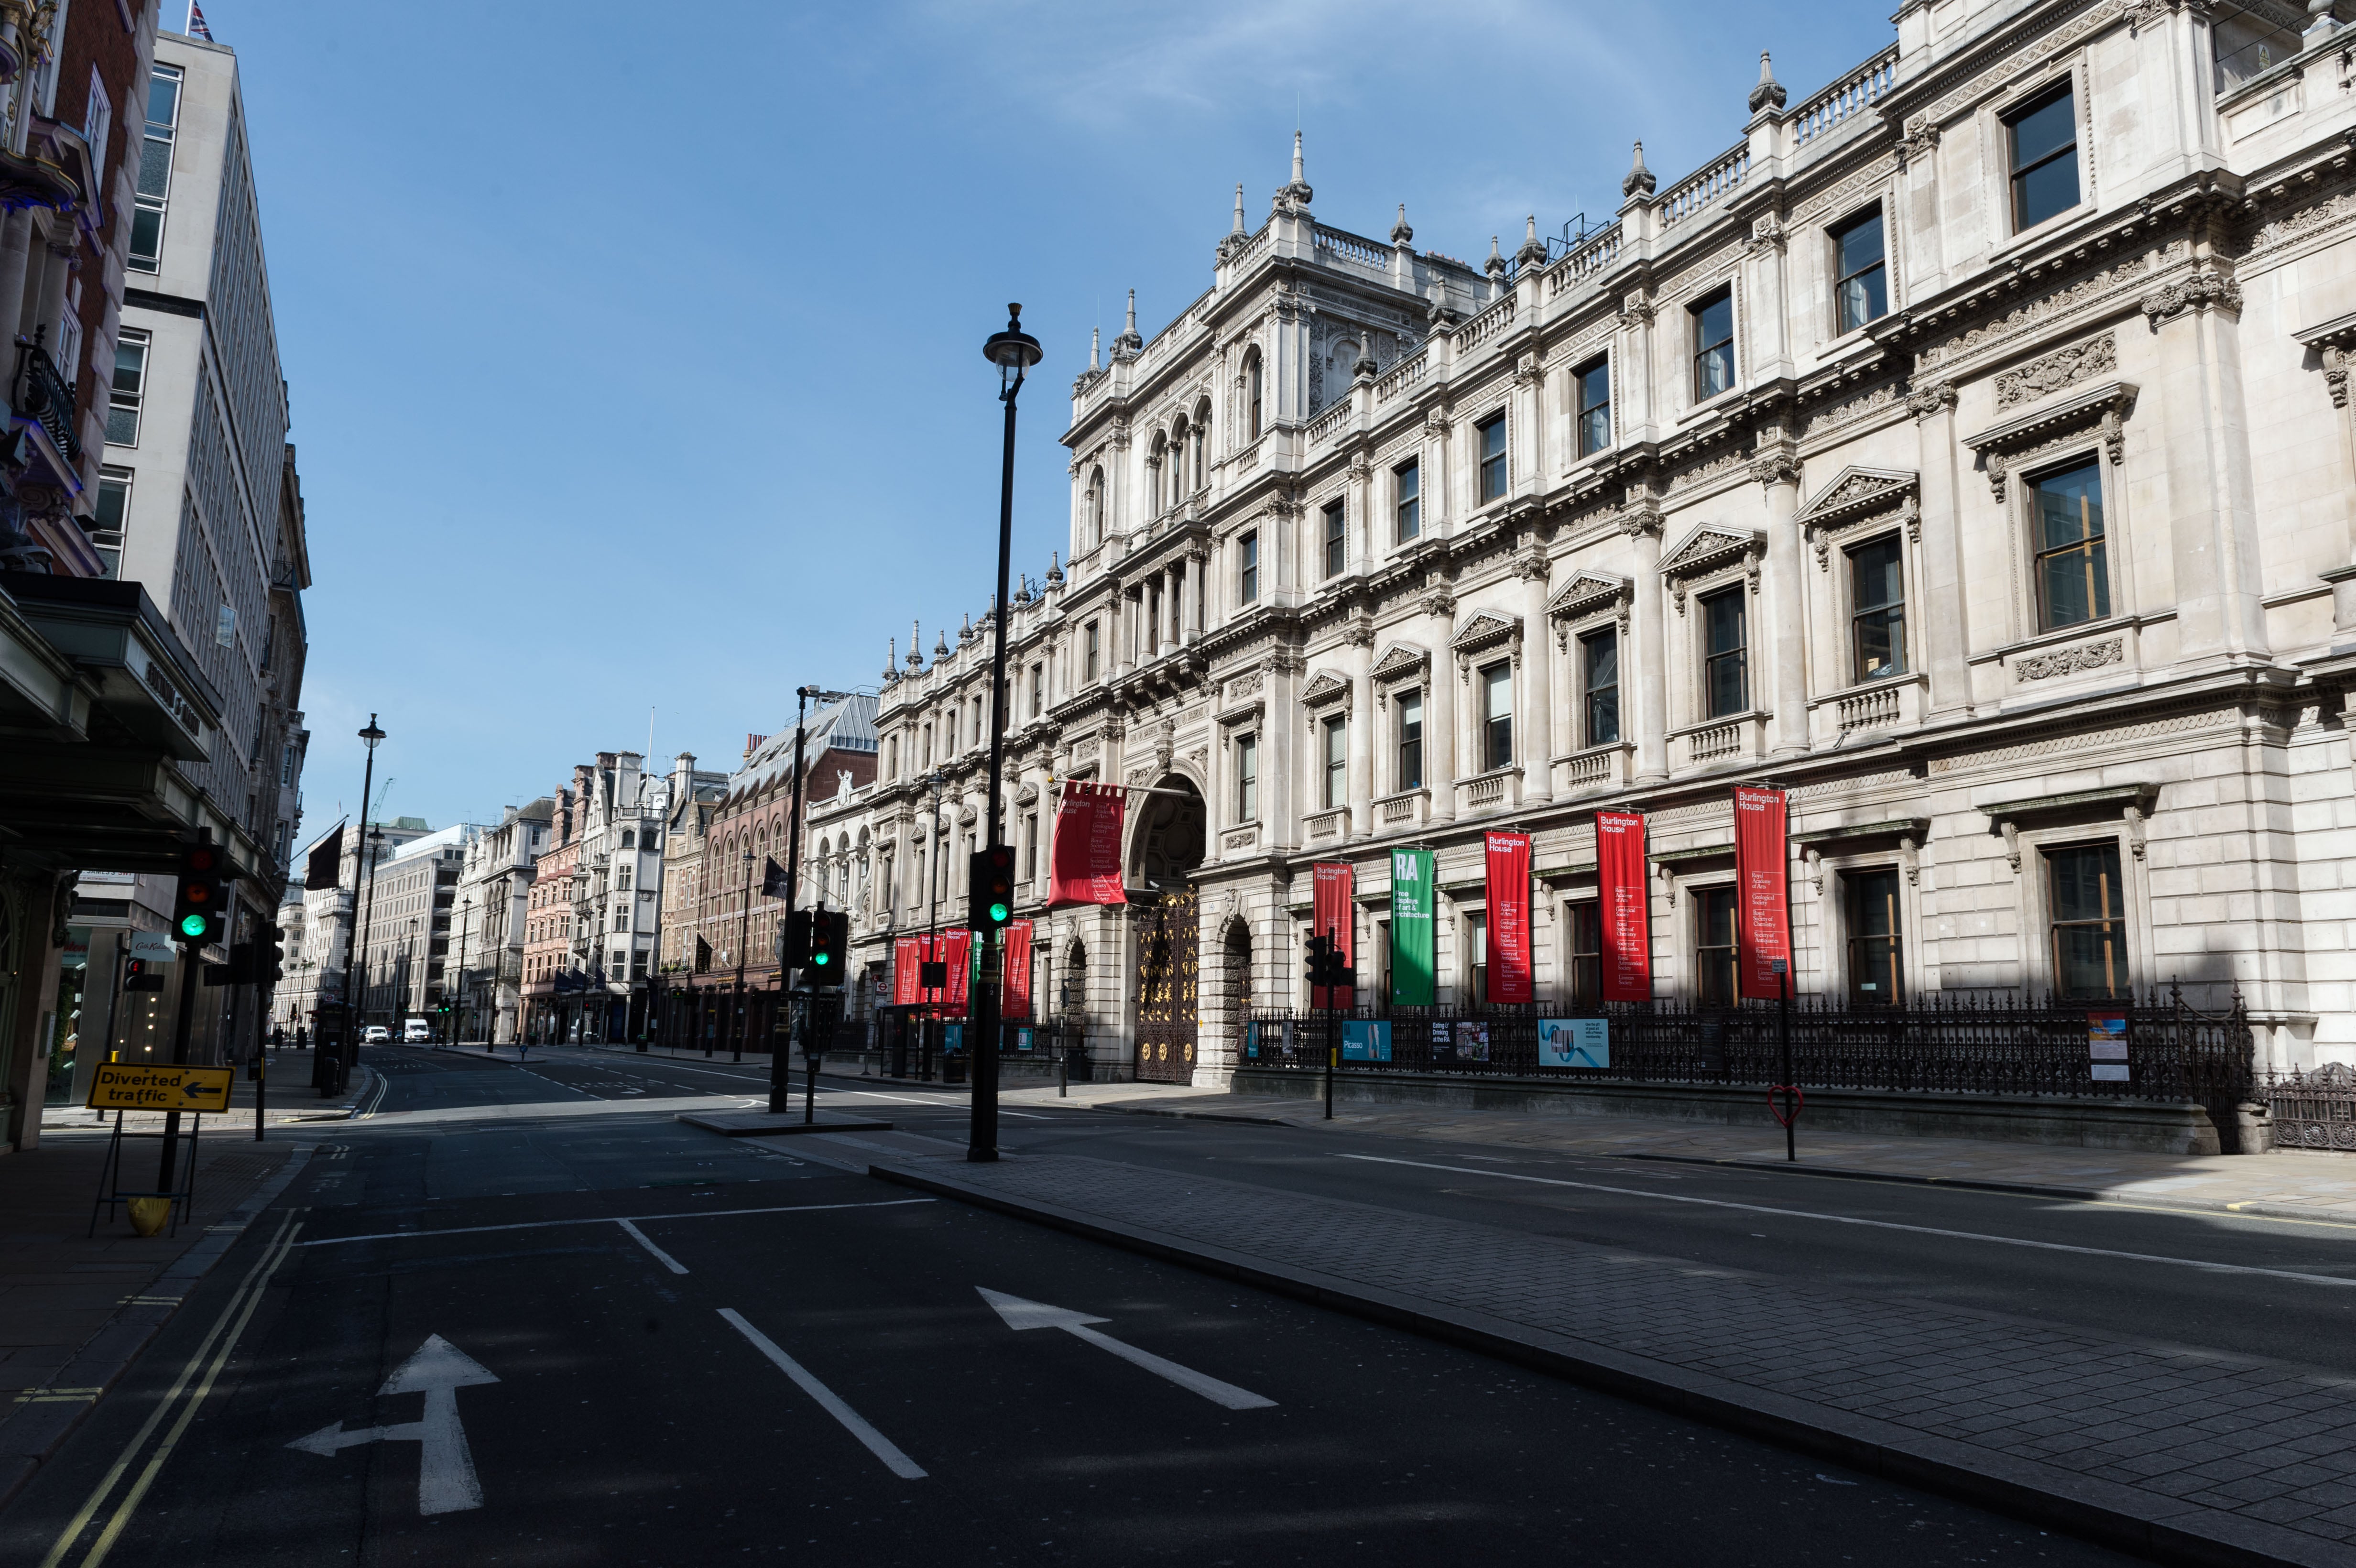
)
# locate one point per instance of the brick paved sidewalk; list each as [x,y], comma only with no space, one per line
[2194,1457]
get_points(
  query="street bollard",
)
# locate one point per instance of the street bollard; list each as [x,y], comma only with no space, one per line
[1063,1075]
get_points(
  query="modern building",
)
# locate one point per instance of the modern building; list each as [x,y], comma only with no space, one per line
[406,909]
[494,909]
[1965,450]
[319,942]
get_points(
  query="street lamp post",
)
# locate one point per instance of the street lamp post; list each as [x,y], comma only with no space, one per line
[409,979]
[1014,351]
[372,849]
[455,995]
[347,1049]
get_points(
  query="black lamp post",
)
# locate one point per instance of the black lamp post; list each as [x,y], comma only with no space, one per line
[1014,351]
[347,1049]
[781,1084]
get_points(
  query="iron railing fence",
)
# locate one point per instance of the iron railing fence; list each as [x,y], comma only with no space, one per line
[47,397]
[2315,1109]
[1968,1045]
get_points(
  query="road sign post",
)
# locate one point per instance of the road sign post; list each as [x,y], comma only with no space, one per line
[1788,1111]
[123,1087]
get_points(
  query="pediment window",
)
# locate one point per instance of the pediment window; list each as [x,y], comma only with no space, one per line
[1710,549]
[1856,499]
[1589,594]
[1401,661]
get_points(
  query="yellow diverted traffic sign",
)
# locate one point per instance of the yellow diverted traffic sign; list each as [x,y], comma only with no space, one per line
[126,1086]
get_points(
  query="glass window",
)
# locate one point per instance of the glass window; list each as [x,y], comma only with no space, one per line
[1492,432]
[114,503]
[1097,504]
[1599,658]
[1713,339]
[1248,582]
[2090,930]
[1093,646]
[1038,690]
[2044,157]
[2073,581]
[1410,740]
[1875,973]
[1726,674]
[1406,485]
[1876,577]
[129,386]
[1594,407]
[1335,789]
[1252,390]
[1337,539]
[1861,278]
[1714,945]
[1586,934]
[1476,930]
[1497,716]
[153,186]
[1246,778]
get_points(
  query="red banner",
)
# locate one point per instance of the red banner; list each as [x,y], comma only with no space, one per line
[1626,904]
[956,949]
[906,954]
[1083,868]
[1015,1003]
[1336,919]
[1762,923]
[1509,917]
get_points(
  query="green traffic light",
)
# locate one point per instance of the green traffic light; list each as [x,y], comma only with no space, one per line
[820,959]
[998,914]
[193,925]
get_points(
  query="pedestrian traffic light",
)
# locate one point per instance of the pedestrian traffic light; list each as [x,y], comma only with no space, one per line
[274,955]
[140,974]
[829,946]
[989,898]
[794,940]
[1328,966]
[201,903]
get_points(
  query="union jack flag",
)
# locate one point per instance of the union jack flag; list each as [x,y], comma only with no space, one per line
[197,28]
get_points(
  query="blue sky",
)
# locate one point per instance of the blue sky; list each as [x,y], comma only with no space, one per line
[635,352]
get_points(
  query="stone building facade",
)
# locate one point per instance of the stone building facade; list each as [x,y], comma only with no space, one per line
[1966,450]
[494,903]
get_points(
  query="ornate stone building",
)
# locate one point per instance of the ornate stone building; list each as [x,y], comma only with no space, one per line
[1965,450]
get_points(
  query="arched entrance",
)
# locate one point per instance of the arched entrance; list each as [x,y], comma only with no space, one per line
[1166,851]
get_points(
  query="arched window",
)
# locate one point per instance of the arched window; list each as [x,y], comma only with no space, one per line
[1180,442]
[1252,390]
[629,839]
[1202,441]
[1157,472]
[1096,506]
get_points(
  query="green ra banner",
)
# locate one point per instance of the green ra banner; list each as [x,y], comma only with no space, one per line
[1412,903]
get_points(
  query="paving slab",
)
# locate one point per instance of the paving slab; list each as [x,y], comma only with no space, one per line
[2020,1420]
[772,1125]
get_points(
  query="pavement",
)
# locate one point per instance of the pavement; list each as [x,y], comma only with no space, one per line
[76,1309]
[523,1313]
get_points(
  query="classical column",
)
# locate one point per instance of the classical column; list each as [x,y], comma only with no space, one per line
[1363,719]
[1647,661]
[2204,420]
[59,265]
[1946,627]
[15,248]
[1537,698]
[1440,722]
[1201,558]
[1787,621]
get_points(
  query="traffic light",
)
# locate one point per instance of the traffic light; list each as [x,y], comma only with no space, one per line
[794,941]
[200,906]
[829,946]
[990,896]
[140,974]
[274,955]
[1327,965]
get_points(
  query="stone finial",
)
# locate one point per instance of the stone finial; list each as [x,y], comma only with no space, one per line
[1402,233]
[1297,196]
[940,646]
[1769,92]
[916,646]
[1129,345]
[1638,181]
[891,660]
[1238,229]
[1096,358]
[2320,23]
[1533,250]
[1055,569]
[1495,265]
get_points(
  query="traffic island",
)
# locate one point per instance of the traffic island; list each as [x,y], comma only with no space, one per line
[769,1124]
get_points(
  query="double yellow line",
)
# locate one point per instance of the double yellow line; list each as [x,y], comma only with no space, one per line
[219,1343]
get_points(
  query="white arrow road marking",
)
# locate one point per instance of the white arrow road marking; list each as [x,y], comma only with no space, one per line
[1020,1315]
[899,1464]
[446,1468]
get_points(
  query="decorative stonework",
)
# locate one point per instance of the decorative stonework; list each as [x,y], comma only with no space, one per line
[2128,272]
[2205,289]
[1860,497]
[2069,661]
[1848,411]
[1401,661]
[1932,398]
[1708,548]
[1589,594]
[2062,367]
[1709,468]
[2334,343]
[1439,602]
[1244,685]
[1484,633]
[2020,441]
[1325,689]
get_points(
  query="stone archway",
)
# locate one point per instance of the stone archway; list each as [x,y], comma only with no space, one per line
[1165,850]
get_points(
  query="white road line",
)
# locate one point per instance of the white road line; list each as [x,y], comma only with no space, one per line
[1020,1314]
[2203,1266]
[661,1256]
[899,1464]
[611,1220]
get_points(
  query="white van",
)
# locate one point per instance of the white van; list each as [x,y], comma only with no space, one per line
[416,1032]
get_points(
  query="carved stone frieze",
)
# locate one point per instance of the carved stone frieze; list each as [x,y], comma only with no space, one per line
[2062,367]
[1932,398]
[2334,343]
[2203,290]
[2070,661]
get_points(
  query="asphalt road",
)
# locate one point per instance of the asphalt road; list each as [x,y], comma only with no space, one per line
[775,1358]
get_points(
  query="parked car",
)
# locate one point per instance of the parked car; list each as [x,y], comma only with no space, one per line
[417,1032]
[376,1034]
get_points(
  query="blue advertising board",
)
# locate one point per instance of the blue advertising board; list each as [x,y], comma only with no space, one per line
[1574,1043]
